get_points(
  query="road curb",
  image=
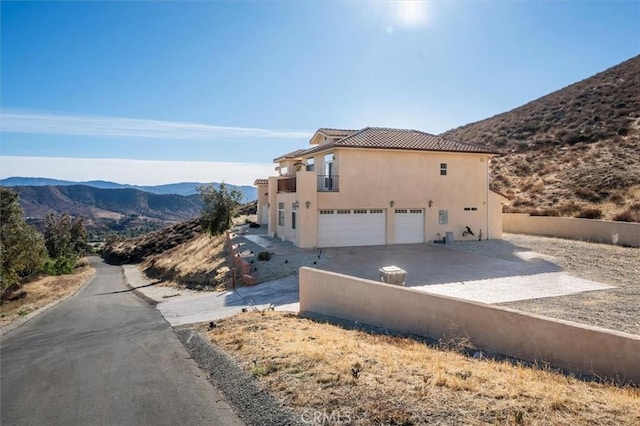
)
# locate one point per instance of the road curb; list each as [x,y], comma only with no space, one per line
[20,321]
[135,290]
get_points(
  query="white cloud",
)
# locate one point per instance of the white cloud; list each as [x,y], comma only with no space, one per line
[134,172]
[12,121]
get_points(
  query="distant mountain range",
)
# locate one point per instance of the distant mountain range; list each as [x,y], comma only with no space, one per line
[183,188]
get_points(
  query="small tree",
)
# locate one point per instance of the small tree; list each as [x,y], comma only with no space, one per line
[22,249]
[65,239]
[219,207]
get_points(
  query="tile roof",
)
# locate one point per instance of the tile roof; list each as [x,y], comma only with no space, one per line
[261,182]
[403,139]
[386,138]
[291,155]
[336,132]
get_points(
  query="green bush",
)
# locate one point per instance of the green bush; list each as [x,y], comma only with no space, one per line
[60,266]
[264,255]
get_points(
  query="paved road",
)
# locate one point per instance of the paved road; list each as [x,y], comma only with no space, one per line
[103,357]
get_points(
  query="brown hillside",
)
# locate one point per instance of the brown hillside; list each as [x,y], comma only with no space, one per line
[575,149]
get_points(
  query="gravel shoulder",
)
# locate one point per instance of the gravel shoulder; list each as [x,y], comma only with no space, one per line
[615,308]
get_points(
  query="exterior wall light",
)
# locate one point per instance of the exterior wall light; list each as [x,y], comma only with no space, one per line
[430,203]
[308,203]
[391,203]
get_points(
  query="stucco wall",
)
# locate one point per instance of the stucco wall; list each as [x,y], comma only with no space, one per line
[263,200]
[602,231]
[567,345]
[374,178]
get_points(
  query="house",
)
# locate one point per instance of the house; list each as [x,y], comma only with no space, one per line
[379,186]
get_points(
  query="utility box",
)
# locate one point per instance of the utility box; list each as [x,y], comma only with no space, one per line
[393,275]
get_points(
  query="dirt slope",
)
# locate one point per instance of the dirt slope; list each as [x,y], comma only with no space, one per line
[574,148]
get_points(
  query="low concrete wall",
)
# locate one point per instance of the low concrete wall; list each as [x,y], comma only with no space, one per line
[601,231]
[572,346]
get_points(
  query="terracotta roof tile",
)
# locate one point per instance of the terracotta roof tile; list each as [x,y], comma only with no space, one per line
[401,139]
[261,182]
[291,155]
[336,132]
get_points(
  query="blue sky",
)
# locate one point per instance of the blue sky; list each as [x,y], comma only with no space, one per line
[158,92]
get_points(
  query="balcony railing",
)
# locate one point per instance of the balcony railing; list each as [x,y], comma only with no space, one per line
[287,184]
[328,183]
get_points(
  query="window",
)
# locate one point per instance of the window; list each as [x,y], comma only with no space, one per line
[284,171]
[293,220]
[310,164]
[344,211]
[443,169]
[375,211]
[443,217]
[470,209]
[280,214]
[401,211]
[326,211]
[359,212]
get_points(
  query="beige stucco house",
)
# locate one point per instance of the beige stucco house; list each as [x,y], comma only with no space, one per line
[379,186]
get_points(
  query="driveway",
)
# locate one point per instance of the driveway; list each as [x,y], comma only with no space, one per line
[437,269]
[104,357]
[518,275]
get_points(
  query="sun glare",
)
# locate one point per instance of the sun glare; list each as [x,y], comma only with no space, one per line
[410,13]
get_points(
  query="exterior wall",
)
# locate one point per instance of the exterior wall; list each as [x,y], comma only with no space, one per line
[306,233]
[572,346]
[263,201]
[601,231]
[373,178]
[273,206]
[495,215]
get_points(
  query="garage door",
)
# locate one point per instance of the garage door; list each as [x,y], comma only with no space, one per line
[409,226]
[359,227]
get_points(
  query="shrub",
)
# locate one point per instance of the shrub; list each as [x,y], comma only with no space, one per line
[590,213]
[264,255]
[60,266]
[627,216]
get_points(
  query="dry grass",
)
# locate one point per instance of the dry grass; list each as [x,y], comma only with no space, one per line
[45,290]
[199,263]
[337,376]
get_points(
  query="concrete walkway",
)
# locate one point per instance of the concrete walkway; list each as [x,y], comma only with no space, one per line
[180,306]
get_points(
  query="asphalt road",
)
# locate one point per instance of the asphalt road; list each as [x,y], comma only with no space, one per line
[103,357]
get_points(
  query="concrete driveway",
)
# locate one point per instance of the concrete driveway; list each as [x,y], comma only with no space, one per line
[435,269]
[440,270]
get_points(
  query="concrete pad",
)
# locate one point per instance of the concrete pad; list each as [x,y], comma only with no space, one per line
[509,289]
[189,306]
[437,269]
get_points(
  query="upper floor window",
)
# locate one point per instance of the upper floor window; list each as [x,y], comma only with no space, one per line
[443,169]
[310,164]
[284,171]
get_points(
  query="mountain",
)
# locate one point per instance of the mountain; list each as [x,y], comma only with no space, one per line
[574,150]
[126,210]
[183,188]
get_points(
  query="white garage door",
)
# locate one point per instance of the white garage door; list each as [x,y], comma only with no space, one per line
[341,228]
[409,226]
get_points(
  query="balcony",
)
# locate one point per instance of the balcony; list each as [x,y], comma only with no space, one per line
[287,184]
[328,183]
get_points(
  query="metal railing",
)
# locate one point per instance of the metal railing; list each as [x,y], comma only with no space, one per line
[328,183]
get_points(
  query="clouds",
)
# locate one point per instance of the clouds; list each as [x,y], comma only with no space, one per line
[15,121]
[135,172]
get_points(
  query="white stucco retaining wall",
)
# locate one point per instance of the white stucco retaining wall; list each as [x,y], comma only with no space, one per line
[601,231]
[572,346]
